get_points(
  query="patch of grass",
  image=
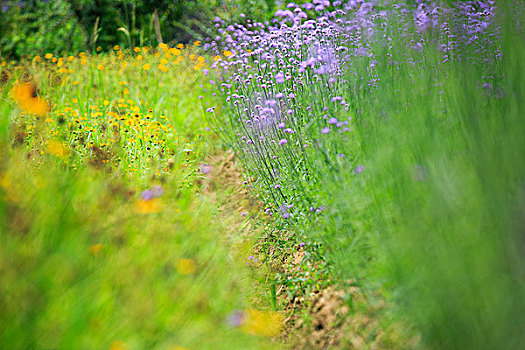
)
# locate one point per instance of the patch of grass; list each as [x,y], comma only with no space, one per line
[108,240]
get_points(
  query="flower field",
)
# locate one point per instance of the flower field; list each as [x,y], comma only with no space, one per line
[346,175]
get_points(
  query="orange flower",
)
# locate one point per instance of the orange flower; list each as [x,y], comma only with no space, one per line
[148,206]
[25,95]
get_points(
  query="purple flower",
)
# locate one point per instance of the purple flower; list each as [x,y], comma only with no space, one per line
[325,130]
[205,168]
[283,142]
[359,169]
[236,318]
[154,192]
[279,78]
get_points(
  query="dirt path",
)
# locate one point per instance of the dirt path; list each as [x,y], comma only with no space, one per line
[327,318]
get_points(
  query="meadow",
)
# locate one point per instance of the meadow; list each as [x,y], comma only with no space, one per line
[347,175]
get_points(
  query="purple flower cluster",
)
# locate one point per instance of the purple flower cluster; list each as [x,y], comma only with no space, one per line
[288,83]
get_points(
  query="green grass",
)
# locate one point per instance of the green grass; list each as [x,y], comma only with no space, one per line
[434,222]
[86,262]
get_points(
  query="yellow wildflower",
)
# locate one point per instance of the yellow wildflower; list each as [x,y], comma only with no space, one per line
[146,66]
[96,248]
[148,206]
[57,148]
[100,67]
[25,95]
[163,68]
[136,49]
[186,266]
[267,323]
[5,180]
[163,46]
[48,56]
[116,47]
[118,345]
[99,48]
[197,43]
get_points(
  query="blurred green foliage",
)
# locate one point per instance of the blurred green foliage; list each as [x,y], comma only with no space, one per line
[63,26]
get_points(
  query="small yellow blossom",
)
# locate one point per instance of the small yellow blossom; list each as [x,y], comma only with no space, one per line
[96,248]
[116,47]
[57,148]
[148,206]
[180,46]
[267,323]
[186,266]
[118,345]
[100,67]
[136,49]
[197,43]
[99,48]
[146,66]
[48,56]
[139,57]
[5,180]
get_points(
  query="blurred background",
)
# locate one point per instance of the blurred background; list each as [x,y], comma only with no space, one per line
[64,26]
